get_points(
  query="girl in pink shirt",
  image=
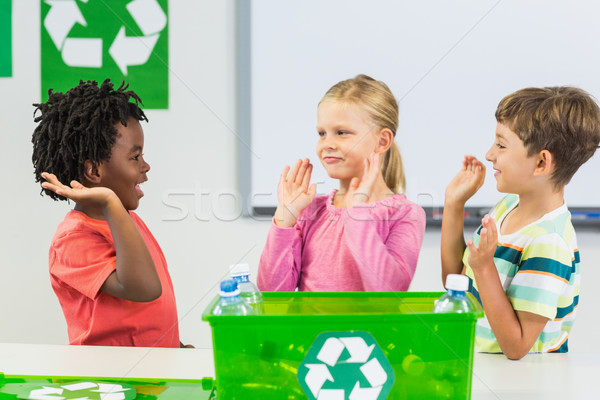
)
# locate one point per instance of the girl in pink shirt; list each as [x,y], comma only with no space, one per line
[366,235]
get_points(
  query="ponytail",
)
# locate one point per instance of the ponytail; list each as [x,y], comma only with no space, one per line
[392,169]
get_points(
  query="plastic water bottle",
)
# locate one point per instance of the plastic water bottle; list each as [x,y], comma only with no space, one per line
[231,303]
[248,290]
[455,299]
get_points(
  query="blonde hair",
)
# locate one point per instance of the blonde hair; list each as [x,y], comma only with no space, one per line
[381,106]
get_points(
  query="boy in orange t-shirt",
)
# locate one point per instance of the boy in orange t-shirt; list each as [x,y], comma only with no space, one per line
[106,268]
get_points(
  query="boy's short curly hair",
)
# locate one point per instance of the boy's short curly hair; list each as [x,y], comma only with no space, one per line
[563,120]
[78,126]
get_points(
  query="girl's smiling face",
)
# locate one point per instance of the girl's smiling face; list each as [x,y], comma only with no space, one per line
[346,138]
[126,169]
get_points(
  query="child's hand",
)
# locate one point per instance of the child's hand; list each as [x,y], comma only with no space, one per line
[294,193]
[96,196]
[482,255]
[360,190]
[467,182]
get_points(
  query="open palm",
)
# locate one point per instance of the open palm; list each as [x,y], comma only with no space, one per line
[94,196]
[294,192]
[361,189]
[467,182]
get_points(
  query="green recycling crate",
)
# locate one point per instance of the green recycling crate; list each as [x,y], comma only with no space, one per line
[359,345]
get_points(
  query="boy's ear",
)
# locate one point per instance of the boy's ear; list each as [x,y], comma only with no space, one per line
[545,163]
[386,138]
[91,173]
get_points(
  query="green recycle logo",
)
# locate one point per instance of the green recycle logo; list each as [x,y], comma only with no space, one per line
[87,52]
[345,366]
[81,391]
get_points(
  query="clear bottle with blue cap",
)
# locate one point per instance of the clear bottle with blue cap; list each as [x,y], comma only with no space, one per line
[248,290]
[455,299]
[231,303]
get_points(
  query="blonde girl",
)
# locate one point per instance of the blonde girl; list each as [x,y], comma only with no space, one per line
[364,236]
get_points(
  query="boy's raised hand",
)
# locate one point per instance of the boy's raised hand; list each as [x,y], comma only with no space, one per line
[482,255]
[95,196]
[467,182]
[360,190]
[294,193]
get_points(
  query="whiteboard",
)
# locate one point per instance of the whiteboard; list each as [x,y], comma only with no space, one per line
[448,63]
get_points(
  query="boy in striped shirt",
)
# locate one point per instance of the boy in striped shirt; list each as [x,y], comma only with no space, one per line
[523,261]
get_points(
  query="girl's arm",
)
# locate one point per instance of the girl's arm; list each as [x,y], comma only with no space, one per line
[462,187]
[385,264]
[515,331]
[280,262]
[135,277]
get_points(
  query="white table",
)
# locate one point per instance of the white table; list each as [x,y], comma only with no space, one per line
[537,376]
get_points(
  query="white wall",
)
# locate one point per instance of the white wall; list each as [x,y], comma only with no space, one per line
[191,147]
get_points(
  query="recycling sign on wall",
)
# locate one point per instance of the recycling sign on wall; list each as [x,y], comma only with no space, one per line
[345,366]
[124,40]
[81,391]
[5,38]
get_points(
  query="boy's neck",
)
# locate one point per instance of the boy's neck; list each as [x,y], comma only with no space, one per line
[532,206]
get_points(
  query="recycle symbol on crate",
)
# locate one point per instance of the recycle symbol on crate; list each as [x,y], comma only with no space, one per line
[345,366]
[84,390]
[87,52]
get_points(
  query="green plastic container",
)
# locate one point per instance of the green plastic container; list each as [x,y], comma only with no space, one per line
[259,356]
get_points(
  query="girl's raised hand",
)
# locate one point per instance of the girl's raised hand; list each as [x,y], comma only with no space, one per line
[467,182]
[294,193]
[95,196]
[361,189]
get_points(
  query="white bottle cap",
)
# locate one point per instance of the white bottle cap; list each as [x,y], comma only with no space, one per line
[239,270]
[457,282]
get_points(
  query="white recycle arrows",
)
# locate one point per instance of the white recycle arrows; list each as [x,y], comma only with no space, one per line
[316,376]
[45,392]
[107,391]
[359,393]
[331,394]
[136,50]
[131,50]
[333,347]
[330,354]
[61,18]
[87,52]
[358,349]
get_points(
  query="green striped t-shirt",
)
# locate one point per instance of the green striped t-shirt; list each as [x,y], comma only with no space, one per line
[540,273]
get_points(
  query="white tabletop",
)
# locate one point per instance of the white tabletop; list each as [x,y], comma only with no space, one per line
[537,376]
[101,361]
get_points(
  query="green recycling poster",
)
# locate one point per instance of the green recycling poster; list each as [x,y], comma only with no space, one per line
[124,40]
[5,38]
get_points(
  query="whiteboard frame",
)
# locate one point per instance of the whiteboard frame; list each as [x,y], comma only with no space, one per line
[581,216]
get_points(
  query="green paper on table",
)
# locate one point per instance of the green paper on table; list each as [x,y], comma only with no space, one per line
[65,388]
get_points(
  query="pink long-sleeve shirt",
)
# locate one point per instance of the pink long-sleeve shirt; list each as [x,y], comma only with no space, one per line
[371,247]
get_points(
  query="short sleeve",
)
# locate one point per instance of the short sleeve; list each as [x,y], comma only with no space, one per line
[82,260]
[543,276]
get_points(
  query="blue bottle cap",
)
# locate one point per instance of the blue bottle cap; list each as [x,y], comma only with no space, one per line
[229,288]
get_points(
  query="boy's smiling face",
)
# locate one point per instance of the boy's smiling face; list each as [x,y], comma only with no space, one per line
[513,168]
[126,169]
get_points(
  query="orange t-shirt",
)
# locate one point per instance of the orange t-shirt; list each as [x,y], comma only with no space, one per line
[82,256]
